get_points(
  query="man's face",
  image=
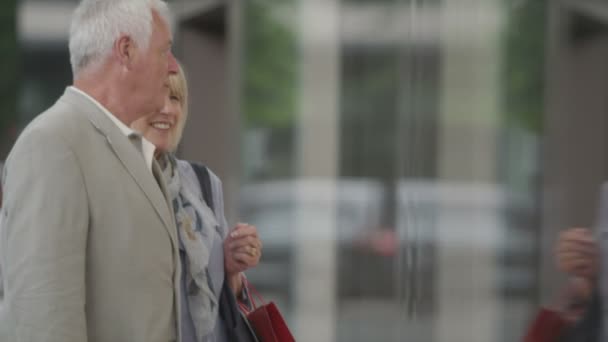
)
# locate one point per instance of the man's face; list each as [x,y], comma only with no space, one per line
[152,70]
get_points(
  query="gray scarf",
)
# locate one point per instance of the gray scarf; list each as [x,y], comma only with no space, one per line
[196,224]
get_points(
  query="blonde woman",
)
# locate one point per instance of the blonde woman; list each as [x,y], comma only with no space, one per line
[210,252]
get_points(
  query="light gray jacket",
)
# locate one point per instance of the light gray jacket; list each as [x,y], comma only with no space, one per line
[88,245]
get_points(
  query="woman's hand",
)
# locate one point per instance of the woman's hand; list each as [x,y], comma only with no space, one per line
[577,253]
[242,250]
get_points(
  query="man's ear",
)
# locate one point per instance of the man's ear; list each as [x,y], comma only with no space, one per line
[124,51]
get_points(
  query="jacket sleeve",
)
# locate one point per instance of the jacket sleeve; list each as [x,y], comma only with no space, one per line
[44,232]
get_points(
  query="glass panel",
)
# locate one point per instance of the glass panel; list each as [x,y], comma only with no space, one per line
[430,207]
[390,94]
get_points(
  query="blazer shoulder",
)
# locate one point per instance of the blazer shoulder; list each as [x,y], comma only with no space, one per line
[61,124]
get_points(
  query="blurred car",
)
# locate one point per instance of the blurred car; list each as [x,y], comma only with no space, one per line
[383,261]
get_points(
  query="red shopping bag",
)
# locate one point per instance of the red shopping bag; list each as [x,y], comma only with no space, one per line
[266,319]
[546,327]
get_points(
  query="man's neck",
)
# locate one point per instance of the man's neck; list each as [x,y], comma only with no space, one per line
[108,97]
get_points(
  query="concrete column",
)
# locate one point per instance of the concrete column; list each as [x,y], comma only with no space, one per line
[317,165]
[466,287]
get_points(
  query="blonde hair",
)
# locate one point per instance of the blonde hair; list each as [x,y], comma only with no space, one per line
[178,87]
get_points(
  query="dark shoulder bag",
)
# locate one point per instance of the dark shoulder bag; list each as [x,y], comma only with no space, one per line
[237,327]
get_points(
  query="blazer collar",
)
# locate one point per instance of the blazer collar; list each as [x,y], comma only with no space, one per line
[131,158]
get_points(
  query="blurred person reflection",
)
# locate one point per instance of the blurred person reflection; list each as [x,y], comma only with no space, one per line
[87,249]
[559,322]
[578,255]
[213,257]
[577,316]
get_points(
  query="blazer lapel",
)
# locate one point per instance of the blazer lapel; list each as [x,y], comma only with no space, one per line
[130,157]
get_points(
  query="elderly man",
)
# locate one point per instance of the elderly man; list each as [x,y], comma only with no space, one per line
[88,246]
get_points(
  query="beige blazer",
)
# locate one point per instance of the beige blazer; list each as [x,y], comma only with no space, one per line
[88,244]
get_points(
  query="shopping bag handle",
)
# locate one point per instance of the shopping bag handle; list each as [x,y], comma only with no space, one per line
[254,294]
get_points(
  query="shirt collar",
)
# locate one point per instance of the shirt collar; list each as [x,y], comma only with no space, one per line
[147,147]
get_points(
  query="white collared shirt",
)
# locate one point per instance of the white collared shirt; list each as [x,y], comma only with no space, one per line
[147,147]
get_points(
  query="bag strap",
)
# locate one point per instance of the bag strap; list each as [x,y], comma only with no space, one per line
[202,173]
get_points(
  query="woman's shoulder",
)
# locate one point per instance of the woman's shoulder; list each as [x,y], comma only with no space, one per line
[188,166]
[187,171]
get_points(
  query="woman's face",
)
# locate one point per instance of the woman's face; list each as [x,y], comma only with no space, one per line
[161,128]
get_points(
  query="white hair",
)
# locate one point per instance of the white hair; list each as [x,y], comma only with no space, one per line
[97,24]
